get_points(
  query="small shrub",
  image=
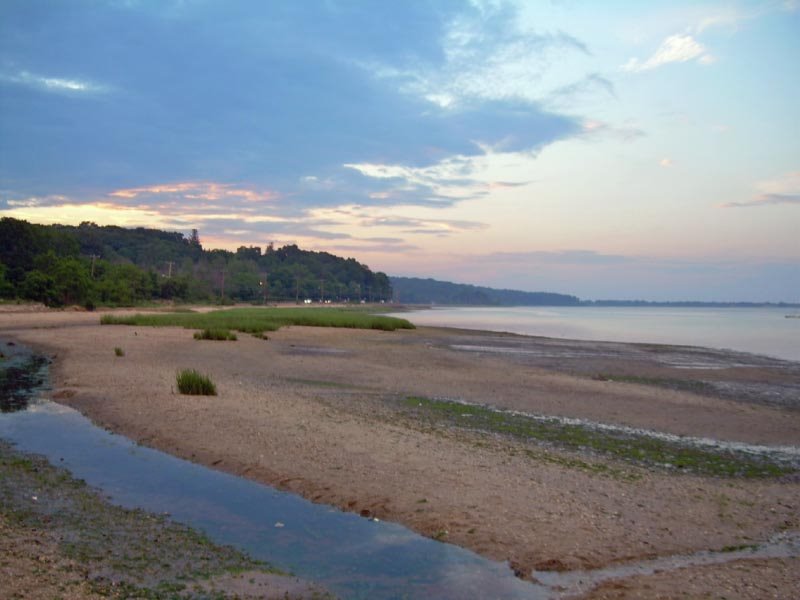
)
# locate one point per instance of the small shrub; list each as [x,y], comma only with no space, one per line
[215,334]
[193,383]
[119,351]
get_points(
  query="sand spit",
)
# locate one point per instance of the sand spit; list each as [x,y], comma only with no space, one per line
[314,411]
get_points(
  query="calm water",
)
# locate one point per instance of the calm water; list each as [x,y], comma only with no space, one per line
[758,330]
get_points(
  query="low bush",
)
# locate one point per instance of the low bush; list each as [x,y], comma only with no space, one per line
[119,351]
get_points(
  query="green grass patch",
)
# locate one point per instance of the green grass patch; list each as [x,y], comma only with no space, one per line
[639,449]
[195,384]
[739,547]
[215,334]
[119,351]
[258,320]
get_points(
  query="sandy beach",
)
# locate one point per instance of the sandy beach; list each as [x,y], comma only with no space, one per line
[319,412]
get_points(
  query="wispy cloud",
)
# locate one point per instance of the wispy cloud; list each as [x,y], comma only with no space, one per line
[594,129]
[733,17]
[382,248]
[590,86]
[678,48]
[766,200]
[783,190]
[198,190]
[488,54]
[563,257]
[14,201]
[60,85]
[448,182]
[369,218]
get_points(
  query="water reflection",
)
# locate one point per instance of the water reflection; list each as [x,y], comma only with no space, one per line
[21,373]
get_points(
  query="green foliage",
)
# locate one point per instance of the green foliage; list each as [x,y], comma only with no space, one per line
[259,320]
[6,288]
[72,280]
[39,287]
[21,243]
[194,384]
[215,334]
[119,351]
[123,267]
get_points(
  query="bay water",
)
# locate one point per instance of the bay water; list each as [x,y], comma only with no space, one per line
[765,331]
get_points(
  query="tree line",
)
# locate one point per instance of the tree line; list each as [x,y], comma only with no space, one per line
[414,290]
[94,265]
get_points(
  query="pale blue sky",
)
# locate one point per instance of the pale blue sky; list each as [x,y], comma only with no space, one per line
[616,149]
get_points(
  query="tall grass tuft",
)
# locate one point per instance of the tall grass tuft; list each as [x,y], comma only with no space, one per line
[215,334]
[193,383]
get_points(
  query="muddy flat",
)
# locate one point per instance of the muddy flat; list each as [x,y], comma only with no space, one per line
[357,419]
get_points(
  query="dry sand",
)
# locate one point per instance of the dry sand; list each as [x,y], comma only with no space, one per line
[310,411]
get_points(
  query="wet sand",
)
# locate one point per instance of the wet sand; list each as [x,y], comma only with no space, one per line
[314,411]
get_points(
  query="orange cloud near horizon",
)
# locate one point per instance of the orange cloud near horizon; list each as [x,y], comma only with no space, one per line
[199,190]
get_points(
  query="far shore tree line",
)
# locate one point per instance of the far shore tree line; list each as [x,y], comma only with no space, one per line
[93,265]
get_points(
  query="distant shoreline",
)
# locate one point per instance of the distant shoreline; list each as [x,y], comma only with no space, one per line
[607,304]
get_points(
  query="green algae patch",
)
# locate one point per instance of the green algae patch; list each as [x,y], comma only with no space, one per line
[619,444]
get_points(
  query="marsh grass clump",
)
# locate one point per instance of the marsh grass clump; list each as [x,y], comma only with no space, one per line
[258,320]
[195,384]
[119,351]
[215,334]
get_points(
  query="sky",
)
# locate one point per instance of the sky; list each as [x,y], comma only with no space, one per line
[604,149]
